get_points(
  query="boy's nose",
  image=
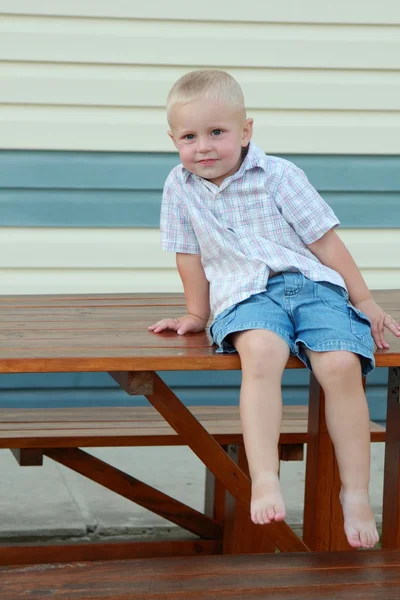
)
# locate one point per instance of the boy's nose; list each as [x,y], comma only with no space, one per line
[204,145]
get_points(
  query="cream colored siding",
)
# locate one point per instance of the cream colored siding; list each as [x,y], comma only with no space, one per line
[98,260]
[94,75]
[282,11]
[319,78]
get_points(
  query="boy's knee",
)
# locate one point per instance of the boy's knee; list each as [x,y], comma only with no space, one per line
[261,352]
[330,367]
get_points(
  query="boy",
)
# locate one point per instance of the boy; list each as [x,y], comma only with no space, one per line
[255,245]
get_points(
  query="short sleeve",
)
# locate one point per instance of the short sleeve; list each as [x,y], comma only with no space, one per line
[302,207]
[177,234]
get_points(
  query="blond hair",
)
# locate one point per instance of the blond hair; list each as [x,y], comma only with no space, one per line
[210,84]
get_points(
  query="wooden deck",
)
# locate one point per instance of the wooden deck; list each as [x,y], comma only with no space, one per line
[368,575]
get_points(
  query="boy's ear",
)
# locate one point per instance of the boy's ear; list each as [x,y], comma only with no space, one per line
[247,132]
[171,135]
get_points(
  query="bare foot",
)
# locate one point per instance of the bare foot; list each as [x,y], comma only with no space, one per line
[266,499]
[359,521]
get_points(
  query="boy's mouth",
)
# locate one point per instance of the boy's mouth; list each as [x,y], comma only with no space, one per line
[207,162]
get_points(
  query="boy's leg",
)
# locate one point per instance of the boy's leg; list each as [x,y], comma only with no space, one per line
[347,419]
[263,356]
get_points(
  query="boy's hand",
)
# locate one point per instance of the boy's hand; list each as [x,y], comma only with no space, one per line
[379,320]
[182,325]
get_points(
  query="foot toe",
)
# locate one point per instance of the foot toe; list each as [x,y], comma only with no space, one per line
[354,539]
[271,513]
[364,538]
[266,517]
[280,514]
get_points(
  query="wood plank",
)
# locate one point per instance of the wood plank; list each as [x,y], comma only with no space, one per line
[102,427]
[214,496]
[391,487]
[28,457]
[374,575]
[80,360]
[55,344]
[137,413]
[66,427]
[36,553]
[137,491]
[227,564]
[86,440]
[241,535]
[98,313]
[385,298]
[323,528]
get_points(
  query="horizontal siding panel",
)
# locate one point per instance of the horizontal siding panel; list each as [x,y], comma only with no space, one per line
[97,281]
[148,171]
[99,170]
[199,379]
[81,248]
[135,86]
[83,208]
[46,189]
[140,248]
[141,208]
[57,390]
[144,130]
[95,261]
[74,81]
[86,281]
[144,42]
[310,11]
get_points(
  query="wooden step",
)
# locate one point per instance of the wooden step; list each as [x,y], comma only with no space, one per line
[137,426]
[307,576]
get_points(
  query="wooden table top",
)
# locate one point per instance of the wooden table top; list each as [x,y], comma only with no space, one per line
[108,332]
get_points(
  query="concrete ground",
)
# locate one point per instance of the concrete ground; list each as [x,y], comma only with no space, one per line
[54,503]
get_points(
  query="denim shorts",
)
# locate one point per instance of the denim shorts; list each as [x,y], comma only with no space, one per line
[305,314]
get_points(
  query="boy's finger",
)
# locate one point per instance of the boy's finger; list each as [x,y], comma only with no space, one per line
[381,326]
[377,335]
[164,324]
[155,325]
[392,325]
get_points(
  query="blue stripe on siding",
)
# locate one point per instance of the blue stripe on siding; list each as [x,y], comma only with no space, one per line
[43,390]
[105,189]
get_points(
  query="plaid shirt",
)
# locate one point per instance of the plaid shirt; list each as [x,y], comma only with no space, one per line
[259,220]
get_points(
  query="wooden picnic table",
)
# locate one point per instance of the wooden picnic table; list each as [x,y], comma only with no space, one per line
[108,333]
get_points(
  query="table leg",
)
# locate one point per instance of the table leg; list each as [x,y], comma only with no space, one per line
[241,535]
[391,485]
[209,452]
[323,518]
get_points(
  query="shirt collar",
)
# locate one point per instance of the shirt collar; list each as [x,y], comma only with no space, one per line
[255,157]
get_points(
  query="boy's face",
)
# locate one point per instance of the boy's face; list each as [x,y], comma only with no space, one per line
[209,137]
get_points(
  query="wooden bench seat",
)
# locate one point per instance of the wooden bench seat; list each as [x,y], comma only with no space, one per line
[306,576]
[138,426]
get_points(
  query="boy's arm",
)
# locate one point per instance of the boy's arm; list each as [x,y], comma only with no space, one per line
[196,288]
[332,252]
[195,285]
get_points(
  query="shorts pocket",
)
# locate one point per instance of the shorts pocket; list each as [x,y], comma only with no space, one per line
[332,296]
[360,325]
[221,323]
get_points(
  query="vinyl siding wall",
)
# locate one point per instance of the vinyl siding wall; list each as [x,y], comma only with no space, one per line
[85,151]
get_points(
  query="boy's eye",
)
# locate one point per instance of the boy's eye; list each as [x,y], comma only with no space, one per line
[189,136]
[216,131]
